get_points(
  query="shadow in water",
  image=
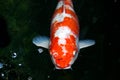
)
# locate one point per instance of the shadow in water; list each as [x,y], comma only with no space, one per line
[4,36]
[67,74]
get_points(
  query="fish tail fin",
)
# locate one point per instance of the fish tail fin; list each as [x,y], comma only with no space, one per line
[68,2]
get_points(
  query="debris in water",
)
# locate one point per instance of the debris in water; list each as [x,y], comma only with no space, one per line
[14,55]
[29,78]
[2,74]
[40,50]
[20,64]
[1,65]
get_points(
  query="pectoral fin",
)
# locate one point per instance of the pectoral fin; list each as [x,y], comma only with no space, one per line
[86,43]
[41,41]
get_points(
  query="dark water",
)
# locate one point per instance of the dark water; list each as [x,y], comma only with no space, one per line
[21,20]
[5,39]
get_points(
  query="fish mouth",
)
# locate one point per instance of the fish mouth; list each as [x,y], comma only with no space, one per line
[60,64]
[58,67]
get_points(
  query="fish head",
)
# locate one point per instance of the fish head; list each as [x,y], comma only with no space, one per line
[63,54]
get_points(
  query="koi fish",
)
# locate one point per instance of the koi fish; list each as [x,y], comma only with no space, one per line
[63,44]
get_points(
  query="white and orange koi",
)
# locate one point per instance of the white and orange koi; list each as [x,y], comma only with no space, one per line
[64,44]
